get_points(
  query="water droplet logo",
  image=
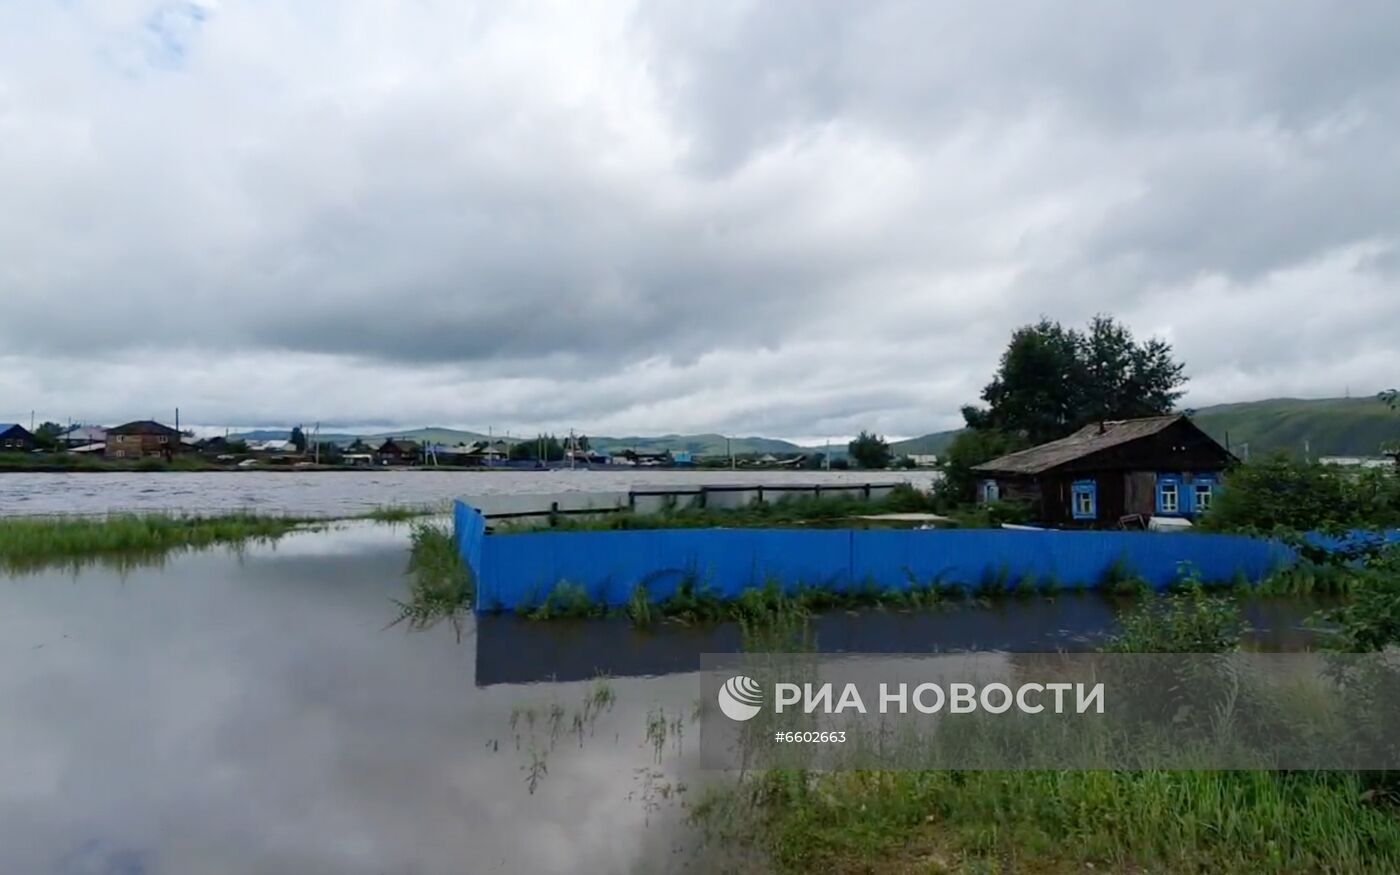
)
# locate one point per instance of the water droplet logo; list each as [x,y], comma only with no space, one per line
[740,698]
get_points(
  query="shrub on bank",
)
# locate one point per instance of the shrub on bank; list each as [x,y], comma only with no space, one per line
[1279,493]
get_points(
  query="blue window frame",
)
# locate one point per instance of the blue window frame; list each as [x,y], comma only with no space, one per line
[1084,500]
[1202,494]
[990,491]
[1169,495]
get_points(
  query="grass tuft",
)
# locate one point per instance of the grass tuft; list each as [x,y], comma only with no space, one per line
[440,582]
[32,544]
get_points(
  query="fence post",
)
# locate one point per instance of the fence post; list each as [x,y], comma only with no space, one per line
[553,514]
[867,492]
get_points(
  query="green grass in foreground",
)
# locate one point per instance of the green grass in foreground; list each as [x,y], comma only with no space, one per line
[954,821]
[1074,821]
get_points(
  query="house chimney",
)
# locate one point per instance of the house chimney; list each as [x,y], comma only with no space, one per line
[1102,427]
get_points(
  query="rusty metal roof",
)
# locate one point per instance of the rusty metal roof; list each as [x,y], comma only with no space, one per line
[1085,442]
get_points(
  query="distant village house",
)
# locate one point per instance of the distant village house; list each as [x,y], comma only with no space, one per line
[15,438]
[398,451]
[142,438]
[83,436]
[1109,473]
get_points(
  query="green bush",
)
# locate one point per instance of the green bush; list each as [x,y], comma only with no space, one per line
[1279,493]
[1370,619]
[1186,622]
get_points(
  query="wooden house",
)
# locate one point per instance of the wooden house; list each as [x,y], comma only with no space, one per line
[15,438]
[398,451]
[1108,473]
[144,437]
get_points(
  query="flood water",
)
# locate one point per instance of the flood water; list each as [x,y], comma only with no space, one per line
[345,493]
[250,712]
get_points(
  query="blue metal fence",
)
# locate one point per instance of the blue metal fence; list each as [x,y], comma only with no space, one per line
[519,571]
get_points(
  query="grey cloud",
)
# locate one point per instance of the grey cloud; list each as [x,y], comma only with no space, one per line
[799,218]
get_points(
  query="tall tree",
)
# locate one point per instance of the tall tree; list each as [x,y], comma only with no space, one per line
[544,447]
[47,434]
[298,439]
[1036,390]
[869,451]
[1126,379]
[1052,380]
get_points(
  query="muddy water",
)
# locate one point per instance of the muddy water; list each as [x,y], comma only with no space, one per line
[250,712]
[330,493]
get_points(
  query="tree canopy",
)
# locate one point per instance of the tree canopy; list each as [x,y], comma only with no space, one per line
[47,434]
[530,450]
[1053,380]
[869,451]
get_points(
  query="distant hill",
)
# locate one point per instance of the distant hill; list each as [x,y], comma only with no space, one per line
[934,443]
[447,436]
[697,444]
[1330,426]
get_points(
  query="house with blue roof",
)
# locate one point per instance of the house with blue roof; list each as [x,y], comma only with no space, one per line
[15,438]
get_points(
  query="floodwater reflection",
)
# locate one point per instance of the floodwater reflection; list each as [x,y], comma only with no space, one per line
[250,712]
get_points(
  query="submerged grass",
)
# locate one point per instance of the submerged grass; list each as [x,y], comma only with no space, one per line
[128,540]
[440,583]
[695,603]
[32,544]
[398,513]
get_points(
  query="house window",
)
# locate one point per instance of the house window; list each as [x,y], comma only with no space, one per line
[990,491]
[1204,490]
[163,439]
[1168,495]
[1084,500]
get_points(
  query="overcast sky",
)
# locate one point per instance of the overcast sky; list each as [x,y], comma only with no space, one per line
[795,219]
